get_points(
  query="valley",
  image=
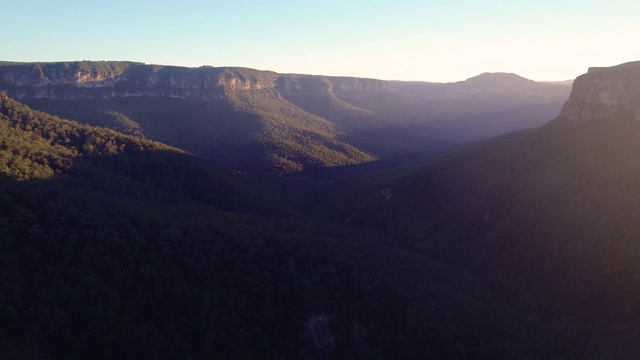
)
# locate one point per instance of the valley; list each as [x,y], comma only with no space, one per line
[164,212]
[263,122]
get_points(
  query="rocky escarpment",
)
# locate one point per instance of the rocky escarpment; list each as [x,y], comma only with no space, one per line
[604,94]
[345,88]
[486,93]
[108,80]
[349,88]
[315,94]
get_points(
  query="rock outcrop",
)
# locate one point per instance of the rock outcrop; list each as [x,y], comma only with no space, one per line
[605,93]
[107,80]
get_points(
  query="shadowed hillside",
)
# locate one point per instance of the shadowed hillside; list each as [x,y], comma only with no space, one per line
[548,216]
[112,246]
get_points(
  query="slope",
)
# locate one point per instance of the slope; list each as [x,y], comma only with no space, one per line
[106,251]
[483,106]
[229,115]
[548,216]
[296,140]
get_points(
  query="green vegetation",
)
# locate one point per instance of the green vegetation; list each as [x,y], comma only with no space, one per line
[119,122]
[547,216]
[113,246]
[298,140]
[253,131]
[39,146]
[248,128]
[314,95]
[245,74]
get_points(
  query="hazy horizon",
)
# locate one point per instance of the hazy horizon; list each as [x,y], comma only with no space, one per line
[401,40]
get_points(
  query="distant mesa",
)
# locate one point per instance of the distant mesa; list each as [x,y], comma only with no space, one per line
[500,78]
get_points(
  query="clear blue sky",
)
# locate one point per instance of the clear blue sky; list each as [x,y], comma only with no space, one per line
[402,39]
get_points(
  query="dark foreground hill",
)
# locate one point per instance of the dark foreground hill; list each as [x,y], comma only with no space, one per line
[264,122]
[117,247]
[548,216]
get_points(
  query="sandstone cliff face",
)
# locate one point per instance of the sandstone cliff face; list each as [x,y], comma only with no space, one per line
[345,88]
[108,80]
[301,85]
[102,80]
[605,93]
[357,88]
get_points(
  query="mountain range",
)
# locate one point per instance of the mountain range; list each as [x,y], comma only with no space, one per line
[264,122]
[398,242]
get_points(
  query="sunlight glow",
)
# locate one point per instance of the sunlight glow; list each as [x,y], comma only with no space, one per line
[406,40]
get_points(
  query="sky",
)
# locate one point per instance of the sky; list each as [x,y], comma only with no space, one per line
[438,41]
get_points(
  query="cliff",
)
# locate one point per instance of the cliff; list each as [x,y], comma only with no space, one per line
[108,80]
[345,88]
[485,93]
[604,94]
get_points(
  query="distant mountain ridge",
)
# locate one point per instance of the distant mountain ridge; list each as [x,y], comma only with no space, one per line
[110,79]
